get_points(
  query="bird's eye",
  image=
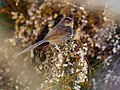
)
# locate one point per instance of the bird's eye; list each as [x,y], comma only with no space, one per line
[67,21]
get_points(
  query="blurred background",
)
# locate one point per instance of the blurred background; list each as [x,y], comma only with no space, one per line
[21,74]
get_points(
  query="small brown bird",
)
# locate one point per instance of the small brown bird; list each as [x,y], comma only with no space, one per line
[57,35]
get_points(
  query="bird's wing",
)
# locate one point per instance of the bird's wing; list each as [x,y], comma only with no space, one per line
[56,32]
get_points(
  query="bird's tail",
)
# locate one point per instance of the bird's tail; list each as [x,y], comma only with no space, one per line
[32,46]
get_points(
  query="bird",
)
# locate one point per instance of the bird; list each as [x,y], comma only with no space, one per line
[60,33]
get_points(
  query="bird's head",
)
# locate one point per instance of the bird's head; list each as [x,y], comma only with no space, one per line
[67,21]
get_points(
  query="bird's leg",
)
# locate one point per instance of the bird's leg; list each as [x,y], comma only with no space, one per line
[56,46]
